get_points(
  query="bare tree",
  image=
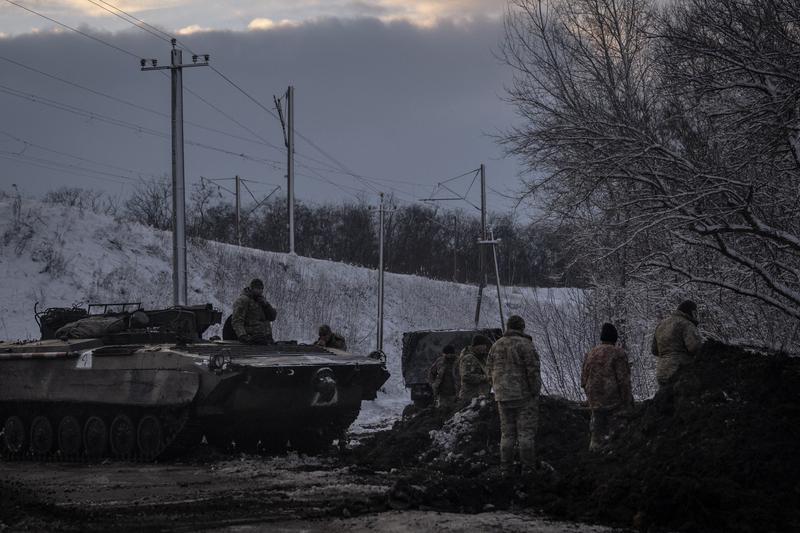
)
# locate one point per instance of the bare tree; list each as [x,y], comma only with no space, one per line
[151,203]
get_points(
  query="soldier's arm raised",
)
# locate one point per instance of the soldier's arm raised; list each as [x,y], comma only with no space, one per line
[238,317]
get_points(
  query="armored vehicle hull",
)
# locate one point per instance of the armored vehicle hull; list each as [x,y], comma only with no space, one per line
[156,391]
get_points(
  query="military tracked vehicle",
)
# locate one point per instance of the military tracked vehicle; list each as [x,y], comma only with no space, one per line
[422,348]
[124,382]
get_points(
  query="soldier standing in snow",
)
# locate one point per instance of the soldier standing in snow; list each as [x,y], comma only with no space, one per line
[676,341]
[606,379]
[472,368]
[252,315]
[329,339]
[442,377]
[513,371]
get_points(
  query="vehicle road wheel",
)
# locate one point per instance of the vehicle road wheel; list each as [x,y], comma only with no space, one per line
[41,436]
[69,436]
[148,436]
[15,438]
[95,437]
[122,436]
[221,441]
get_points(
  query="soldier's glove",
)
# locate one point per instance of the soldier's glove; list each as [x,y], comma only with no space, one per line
[247,339]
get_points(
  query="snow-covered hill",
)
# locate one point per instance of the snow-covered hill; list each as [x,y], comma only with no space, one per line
[60,256]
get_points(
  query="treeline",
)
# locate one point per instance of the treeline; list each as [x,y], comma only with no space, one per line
[420,240]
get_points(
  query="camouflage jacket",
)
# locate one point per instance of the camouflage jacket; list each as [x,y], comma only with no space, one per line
[472,370]
[675,343]
[252,316]
[513,367]
[442,376]
[606,377]
[336,342]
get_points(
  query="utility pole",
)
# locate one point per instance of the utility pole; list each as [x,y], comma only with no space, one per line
[381,214]
[179,268]
[481,255]
[238,211]
[381,225]
[493,243]
[288,138]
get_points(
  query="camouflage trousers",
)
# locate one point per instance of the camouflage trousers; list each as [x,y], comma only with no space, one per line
[519,420]
[603,424]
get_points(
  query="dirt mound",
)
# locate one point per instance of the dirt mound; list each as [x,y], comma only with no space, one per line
[716,450]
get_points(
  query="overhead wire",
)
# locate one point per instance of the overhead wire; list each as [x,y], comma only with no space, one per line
[366,181]
[129,125]
[87,35]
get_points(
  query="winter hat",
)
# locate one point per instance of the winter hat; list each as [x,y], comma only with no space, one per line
[608,333]
[515,322]
[448,349]
[481,340]
[688,307]
[257,284]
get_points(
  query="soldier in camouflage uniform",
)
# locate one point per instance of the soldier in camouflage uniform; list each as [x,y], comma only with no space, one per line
[513,371]
[606,379]
[252,315]
[676,341]
[472,369]
[329,339]
[443,379]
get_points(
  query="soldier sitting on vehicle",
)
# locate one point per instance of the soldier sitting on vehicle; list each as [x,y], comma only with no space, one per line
[252,315]
[606,379]
[472,368]
[442,378]
[676,341]
[329,339]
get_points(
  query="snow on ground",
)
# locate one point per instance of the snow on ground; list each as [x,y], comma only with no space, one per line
[59,256]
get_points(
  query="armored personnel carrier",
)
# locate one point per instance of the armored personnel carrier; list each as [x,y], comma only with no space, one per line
[134,384]
[422,348]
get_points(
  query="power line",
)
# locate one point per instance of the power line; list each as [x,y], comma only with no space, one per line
[92,37]
[140,21]
[129,125]
[26,142]
[128,21]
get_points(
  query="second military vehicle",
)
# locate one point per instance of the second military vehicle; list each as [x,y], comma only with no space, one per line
[422,348]
[143,384]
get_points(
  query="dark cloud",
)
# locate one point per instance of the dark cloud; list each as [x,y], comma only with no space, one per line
[386,100]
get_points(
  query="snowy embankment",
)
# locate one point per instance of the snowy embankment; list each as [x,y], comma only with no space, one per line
[59,256]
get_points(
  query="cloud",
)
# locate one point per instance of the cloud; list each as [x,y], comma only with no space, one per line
[194,28]
[262,24]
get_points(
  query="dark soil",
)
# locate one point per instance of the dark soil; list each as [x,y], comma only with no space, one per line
[716,450]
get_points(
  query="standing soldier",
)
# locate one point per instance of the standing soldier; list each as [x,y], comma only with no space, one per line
[472,368]
[606,379]
[676,341]
[442,377]
[252,315]
[329,339]
[513,371]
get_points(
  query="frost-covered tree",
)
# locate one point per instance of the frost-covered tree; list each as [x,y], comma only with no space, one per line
[668,135]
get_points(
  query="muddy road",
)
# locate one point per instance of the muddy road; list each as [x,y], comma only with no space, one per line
[228,493]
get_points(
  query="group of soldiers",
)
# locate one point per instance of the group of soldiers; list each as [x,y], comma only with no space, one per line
[253,315]
[511,367]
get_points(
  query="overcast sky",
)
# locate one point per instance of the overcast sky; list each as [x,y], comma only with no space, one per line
[405,92]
